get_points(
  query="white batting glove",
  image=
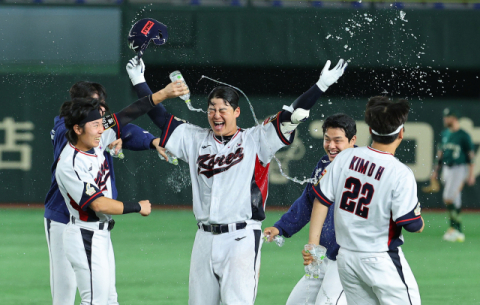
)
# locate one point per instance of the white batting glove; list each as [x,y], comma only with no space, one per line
[329,77]
[135,70]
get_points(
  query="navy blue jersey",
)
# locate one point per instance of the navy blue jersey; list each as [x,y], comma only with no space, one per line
[301,210]
[134,138]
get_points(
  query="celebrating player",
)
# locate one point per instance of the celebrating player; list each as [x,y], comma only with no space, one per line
[62,278]
[84,180]
[339,133]
[375,197]
[455,155]
[229,171]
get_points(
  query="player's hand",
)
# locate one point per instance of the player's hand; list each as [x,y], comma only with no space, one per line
[271,232]
[136,69]
[307,258]
[146,207]
[172,90]
[329,77]
[161,150]
[117,145]
[471,180]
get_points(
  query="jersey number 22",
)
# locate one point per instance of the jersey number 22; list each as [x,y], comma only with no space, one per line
[349,198]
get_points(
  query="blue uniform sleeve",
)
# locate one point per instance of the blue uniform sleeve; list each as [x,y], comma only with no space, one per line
[298,215]
[300,212]
[135,138]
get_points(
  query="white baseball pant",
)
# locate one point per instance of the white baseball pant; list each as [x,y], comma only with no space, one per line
[454,178]
[90,252]
[370,278]
[63,284]
[224,268]
[324,290]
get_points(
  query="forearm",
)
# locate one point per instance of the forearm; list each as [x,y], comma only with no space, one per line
[142,90]
[319,213]
[135,110]
[113,207]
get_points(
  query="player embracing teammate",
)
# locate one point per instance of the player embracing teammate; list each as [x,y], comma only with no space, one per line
[375,197]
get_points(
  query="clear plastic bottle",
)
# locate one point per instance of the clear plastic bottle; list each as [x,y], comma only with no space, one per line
[171,158]
[120,154]
[176,75]
[315,267]
[279,240]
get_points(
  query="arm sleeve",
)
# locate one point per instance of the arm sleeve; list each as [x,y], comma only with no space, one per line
[324,190]
[142,90]
[135,138]
[159,113]
[135,110]
[305,101]
[79,185]
[269,138]
[412,221]
[405,199]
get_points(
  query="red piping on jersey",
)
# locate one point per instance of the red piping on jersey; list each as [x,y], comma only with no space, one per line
[166,133]
[82,214]
[379,151]
[408,219]
[284,140]
[118,129]
[82,152]
[323,199]
[261,179]
[91,199]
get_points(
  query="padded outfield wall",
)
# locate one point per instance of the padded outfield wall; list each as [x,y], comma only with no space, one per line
[36,74]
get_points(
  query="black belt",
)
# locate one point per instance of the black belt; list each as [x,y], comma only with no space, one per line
[219,229]
[101,225]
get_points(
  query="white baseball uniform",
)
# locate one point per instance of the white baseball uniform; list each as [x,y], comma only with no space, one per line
[375,196]
[230,187]
[82,177]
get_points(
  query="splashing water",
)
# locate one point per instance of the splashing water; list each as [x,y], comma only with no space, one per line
[257,123]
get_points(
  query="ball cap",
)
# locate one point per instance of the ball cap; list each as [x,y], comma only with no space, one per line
[450,111]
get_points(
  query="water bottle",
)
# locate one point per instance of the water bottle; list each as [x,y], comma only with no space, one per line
[318,254]
[176,75]
[171,158]
[120,154]
[279,240]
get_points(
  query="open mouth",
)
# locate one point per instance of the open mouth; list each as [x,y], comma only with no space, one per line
[333,154]
[218,125]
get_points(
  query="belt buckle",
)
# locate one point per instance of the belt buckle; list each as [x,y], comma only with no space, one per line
[214,227]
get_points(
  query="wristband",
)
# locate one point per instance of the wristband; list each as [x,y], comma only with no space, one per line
[131,207]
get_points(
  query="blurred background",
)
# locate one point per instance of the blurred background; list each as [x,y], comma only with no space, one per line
[273,50]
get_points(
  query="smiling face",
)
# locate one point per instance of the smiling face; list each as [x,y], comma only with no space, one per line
[89,136]
[222,117]
[335,140]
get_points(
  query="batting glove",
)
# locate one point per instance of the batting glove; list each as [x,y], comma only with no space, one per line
[329,77]
[135,70]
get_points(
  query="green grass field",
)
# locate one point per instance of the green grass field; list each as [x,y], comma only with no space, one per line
[153,254]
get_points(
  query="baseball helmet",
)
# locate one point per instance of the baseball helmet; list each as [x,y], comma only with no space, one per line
[144,31]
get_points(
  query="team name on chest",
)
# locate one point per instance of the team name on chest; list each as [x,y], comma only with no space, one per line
[102,176]
[206,163]
[364,167]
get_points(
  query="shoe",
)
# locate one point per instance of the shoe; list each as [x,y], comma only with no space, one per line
[451,235]
[460,237]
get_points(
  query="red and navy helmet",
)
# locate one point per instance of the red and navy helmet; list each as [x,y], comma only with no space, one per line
[144,31]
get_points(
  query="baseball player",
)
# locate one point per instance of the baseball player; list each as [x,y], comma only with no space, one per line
[339,133]
[375,197]
[62,278]
[229,171]
[84,180]
[455,155]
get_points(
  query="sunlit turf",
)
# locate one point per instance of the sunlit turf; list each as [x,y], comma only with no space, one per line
[153,257]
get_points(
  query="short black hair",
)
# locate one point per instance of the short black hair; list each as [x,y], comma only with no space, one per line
[74,112]
[343,121]
[385,116]
[228,94]
[85,89]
